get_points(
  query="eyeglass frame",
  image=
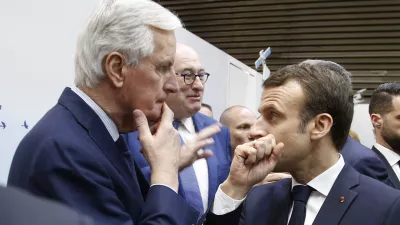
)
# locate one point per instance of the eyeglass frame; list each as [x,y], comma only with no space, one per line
[184,75]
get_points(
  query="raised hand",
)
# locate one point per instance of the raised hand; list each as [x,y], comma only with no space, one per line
[251,163]
[191,151]
[161,148]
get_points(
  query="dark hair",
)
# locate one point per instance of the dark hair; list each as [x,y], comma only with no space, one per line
[327,89]
[207,106]
[381,99]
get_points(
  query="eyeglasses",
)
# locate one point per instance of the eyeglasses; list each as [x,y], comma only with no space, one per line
[189,78]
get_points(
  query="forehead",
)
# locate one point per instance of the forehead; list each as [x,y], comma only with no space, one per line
[286,98]
[241,115]
[187,58]
[164,45]
[396,103]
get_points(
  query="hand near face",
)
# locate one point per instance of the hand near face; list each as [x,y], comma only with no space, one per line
[191,151]
[251,163]
[160,147]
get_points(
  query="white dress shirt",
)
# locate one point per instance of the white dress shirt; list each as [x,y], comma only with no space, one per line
[392,157]
[188,132]
[322,185]
[107,121]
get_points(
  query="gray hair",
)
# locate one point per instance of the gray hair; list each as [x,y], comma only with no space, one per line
[123,26]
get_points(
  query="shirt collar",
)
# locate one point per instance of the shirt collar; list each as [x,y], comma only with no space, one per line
[189,125]
[107,121]
[391,156]
[323,183]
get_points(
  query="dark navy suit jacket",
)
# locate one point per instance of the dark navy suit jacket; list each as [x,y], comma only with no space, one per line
[366,201]
[364,160]
[393,179]
[21,208]
[218,164]
[69,156]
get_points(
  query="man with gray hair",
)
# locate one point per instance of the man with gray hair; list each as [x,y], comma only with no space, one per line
[75,153]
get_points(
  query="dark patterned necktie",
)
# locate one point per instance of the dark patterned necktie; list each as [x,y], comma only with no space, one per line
[300,195]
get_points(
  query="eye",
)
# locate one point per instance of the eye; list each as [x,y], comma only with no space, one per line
[244,127]
[272,116]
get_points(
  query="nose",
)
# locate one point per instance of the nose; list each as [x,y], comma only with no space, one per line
[171,85]
[197,85]
[258,130]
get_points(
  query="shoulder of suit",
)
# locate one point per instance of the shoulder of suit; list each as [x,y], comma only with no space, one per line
[208,120]
[373,186]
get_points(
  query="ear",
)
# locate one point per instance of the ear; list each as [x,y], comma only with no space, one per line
[322,126]
[114,68]
[376,120]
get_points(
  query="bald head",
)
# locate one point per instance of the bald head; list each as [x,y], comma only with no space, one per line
[182,49]
[187,101]
[239,120]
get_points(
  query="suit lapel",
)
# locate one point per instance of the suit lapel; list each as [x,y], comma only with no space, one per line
[334,208]
[392,175]
[99,134]
[212,163]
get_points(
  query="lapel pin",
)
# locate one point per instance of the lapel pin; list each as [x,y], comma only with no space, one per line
[342,199]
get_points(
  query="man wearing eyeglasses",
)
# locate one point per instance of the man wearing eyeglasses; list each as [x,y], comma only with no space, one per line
[198,182]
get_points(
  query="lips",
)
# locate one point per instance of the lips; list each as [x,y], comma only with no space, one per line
[194,97]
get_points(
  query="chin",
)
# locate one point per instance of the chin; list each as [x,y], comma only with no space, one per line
[153,115]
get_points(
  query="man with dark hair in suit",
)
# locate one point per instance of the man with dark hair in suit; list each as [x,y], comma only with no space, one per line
[20,208]
[384,110]
[199,182]
[309,108]
[354,153]
[75,153]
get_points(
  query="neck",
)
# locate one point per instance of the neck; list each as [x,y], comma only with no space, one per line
[382,142]
[105,97]
[316,163]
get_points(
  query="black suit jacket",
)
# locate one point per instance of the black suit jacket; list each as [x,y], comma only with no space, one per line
[366,201]
[20,208]
[393,179]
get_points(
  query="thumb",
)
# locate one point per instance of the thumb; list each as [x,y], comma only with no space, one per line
[141,124]
[274,157]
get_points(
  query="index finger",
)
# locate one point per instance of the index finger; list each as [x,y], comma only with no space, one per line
[141,123]
[208,132]
[167,116]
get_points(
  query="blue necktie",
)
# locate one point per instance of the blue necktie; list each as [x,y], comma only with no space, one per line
[128,158]
[188,181]
[300,194]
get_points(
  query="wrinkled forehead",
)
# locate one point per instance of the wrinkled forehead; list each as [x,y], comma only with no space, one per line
[289,96]
[187,58]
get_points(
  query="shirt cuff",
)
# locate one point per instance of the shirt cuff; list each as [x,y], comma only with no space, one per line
[224,204]
[164,186]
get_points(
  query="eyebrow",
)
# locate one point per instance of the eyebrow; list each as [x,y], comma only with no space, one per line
[192,69]
[166,63]
[268,107]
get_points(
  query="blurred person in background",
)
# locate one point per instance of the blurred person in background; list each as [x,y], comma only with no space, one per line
[206,110]
[384,110]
